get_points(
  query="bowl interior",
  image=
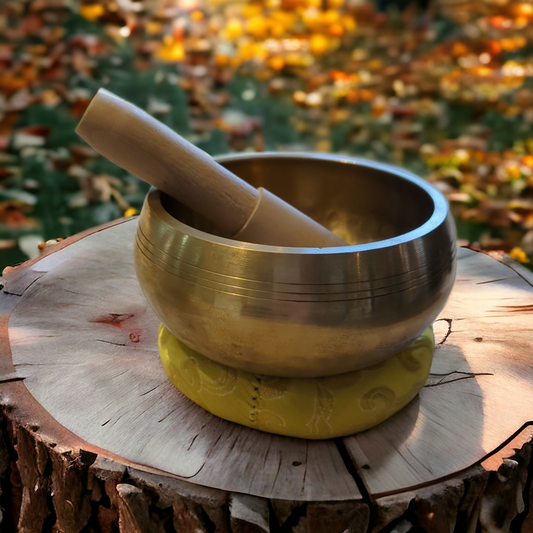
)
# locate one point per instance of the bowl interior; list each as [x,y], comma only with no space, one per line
[359,202]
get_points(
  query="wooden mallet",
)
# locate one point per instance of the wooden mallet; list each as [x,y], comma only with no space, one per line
[140,144]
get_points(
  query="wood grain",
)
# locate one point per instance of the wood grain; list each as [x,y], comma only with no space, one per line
[102,337]
[479,393]
[70,325]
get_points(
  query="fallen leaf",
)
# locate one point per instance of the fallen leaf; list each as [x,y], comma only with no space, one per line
[38,131]
[22,140]
[6,244]
[519,255]
[29,244]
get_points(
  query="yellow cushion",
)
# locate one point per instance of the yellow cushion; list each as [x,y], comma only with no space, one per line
[309,408]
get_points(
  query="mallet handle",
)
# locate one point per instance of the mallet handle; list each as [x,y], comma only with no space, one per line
[140,144]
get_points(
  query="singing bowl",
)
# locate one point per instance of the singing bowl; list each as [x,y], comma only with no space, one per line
[303,312]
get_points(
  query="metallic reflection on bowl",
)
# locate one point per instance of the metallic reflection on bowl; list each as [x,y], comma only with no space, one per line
[303,311]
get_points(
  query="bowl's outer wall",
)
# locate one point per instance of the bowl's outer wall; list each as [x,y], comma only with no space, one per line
[301,312]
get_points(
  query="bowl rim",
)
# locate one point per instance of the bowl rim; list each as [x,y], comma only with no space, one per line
[437,218]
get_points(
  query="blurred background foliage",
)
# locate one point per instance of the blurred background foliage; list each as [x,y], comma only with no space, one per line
[443,88]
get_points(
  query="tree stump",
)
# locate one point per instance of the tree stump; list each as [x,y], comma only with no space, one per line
[95,438]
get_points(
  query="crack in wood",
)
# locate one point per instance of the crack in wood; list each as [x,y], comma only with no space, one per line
[112,422]
[192,441]
[11,377]
[265,458]
[150,390]
[453,475]
[120,374]
[415,458]
[229,437]
[279,469]
[305,462]
[359,480]
[232,446]
[111,342]
[464,375]
[491,281]
[19,291]
[215,443]
[73,292]
[166,416]
[447,334]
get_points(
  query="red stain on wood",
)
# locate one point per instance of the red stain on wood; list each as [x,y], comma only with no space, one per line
[135,337]
[113,319]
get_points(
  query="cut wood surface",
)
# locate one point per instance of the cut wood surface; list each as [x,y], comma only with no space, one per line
[86,322]
[480,388]
[81,369]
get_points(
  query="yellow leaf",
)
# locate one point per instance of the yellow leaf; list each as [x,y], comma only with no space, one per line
[519,255]
[131,212]
[171,51]
[92,11]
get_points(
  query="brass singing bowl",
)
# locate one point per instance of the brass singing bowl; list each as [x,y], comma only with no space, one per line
[303,312]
